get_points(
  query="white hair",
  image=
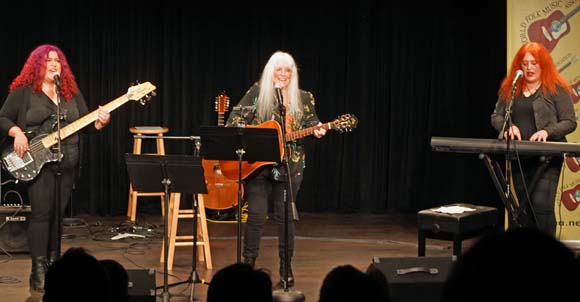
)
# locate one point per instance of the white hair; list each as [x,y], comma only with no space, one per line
[266,98]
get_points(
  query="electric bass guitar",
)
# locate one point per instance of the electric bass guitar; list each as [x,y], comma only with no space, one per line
[222,193]
[27,167]
[344,123]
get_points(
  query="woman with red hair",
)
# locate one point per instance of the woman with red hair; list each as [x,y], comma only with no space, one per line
[541,110]
[45,83]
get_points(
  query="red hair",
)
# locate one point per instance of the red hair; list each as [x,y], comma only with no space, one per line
[34,70]
[550,77]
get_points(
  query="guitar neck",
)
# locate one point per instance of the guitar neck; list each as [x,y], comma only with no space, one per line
[290,136]
[570,14]
[82,122]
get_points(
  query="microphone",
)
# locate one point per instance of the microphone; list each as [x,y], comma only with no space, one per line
[57,79]
[279,94]
[519,74]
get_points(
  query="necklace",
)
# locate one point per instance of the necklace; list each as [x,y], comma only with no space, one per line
[529,91]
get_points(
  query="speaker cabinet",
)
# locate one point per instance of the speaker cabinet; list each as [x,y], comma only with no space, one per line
[414,278]
[13,226]
[141,285]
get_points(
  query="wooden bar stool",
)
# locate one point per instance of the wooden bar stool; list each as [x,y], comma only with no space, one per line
[160,150]
[175,213]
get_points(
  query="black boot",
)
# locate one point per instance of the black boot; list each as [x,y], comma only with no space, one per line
[39,266]
[290,275]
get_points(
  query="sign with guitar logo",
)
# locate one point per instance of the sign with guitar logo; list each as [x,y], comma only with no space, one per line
[556,25]
[27,167]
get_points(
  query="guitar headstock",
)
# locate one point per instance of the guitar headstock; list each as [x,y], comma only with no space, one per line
[141,92]
[345,122]
[222,102]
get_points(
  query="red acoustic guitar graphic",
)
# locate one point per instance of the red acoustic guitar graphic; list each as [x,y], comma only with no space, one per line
[576,92]
[571,197]
[572,163]
[550,30]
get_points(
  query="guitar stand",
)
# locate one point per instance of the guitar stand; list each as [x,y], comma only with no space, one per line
[240,144]
[170,173]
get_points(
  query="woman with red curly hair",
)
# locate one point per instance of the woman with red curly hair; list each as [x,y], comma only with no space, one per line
[541,110]
[45,83]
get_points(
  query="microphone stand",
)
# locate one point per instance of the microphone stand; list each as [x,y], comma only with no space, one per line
[285,294]
[57,227]
[507,126]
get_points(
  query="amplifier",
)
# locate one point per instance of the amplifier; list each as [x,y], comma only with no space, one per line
[141,285]
[13,226]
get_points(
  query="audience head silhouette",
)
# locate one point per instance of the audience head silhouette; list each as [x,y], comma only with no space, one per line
[240,282]
[347,283]
[76,276]
[519,264]
[118,280]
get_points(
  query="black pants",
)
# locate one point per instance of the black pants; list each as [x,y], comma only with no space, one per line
[259,188]
[41,192]
[542,191]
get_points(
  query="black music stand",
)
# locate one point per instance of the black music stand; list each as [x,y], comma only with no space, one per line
[241,144]
[168,173]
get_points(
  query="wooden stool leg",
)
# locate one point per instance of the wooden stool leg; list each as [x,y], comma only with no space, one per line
[169,226]
[173,230]
[162,205]
[204,233]
[133,202]
[130,205]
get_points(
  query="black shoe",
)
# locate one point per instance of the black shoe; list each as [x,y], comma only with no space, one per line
[36,280]
[290,277]
[250,261]
[52,257]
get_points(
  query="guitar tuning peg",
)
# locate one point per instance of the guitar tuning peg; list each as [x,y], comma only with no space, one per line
[153,93]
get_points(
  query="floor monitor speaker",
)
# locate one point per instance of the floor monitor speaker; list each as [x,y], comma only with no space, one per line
[414,278]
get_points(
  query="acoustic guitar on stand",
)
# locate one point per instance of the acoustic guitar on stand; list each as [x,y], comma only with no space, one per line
[344,123]
[222,192]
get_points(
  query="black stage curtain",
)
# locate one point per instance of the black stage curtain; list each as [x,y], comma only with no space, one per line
[408,70]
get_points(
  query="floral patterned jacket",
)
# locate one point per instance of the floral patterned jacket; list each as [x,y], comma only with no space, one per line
[245,113]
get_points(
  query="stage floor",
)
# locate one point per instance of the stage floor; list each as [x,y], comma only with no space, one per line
[323,241]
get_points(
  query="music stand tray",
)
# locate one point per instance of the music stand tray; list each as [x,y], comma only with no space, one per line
[147,172]
[221,143]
